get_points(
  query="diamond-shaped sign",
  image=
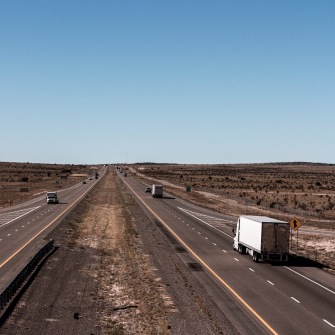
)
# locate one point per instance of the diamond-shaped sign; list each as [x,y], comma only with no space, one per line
[295,224]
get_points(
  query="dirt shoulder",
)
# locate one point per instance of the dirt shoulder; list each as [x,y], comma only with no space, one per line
[114,272]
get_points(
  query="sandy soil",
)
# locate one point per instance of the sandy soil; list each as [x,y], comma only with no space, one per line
[305,186]
[23,181]
[114,272]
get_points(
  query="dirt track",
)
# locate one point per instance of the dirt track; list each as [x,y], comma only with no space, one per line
[114,272]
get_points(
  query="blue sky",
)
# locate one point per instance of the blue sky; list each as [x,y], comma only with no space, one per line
[167,81]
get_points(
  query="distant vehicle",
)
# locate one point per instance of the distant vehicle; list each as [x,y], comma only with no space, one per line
[148,189]
[262,237]
[157,191]
[52,198]
[90,178]
[125,174]
[84,182]
[96,175]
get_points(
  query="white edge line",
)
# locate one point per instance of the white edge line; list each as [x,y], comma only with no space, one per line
[184,210]
[331,325]
[295,300]
[20,216]
[251,270]
[310,280]
[270,282]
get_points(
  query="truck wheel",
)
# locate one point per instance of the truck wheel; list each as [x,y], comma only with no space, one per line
[241,249]
[255,257]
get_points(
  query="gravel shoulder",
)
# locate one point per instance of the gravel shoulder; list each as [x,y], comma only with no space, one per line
[114,272]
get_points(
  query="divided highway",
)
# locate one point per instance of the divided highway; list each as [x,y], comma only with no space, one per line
[259,298]
[24,227]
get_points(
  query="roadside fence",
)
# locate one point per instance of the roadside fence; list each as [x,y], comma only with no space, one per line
[251,201]
[7,294]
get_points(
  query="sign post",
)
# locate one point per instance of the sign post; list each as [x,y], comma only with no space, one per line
[246,207]
[295,224]
[188,190]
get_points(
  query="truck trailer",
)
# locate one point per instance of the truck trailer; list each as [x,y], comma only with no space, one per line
[262,237]
[157,191]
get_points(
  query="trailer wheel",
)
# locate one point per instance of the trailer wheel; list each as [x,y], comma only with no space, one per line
[255,257]
[241,249]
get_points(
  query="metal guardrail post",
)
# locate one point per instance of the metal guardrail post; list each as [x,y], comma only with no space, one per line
[19,279]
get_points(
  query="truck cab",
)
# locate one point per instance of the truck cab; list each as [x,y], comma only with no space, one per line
[52,198]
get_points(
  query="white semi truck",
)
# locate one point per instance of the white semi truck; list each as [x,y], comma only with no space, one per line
[262,237]
[157,191]
[52,198]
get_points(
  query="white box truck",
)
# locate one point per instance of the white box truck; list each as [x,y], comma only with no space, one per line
[52,198]
[262,237]
[157,191]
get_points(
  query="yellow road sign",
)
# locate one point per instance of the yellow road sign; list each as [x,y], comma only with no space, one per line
[295,224]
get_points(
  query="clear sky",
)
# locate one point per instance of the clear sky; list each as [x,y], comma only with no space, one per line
[181,81]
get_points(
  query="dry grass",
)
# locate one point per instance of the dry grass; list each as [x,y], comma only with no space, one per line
[309,187]
[37,178]
[313,246]
[132,300]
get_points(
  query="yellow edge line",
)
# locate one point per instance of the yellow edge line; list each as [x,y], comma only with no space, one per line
[6,261]
[195,255]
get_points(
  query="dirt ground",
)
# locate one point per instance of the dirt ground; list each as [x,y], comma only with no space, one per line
[23,181]
[314,246]
[306,186]
[114,272]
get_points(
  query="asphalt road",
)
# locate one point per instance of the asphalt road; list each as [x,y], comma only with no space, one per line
[25,227]
[259,298]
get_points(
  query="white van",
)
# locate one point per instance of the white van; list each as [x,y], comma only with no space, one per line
[157,191]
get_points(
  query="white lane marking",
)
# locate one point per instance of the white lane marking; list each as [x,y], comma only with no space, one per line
[270,282]
[22,226]
[20,216]
[251,270]
[214,243]
[188,224]
[192,228]
[199,232]
[322,319]
[206,238]
[295,300]
[16,229]
[224,251]
[236,259]
[8,235]
[205,222]
[183,221]
[310,280]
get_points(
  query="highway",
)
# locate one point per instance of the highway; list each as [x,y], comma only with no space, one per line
[24,228]
[259,298]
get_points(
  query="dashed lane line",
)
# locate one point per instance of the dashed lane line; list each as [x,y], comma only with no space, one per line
[310,280]
[205,265]
[331,325]
[47,226]
[206,223]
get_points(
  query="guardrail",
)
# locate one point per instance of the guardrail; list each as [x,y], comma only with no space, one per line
[16,283]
